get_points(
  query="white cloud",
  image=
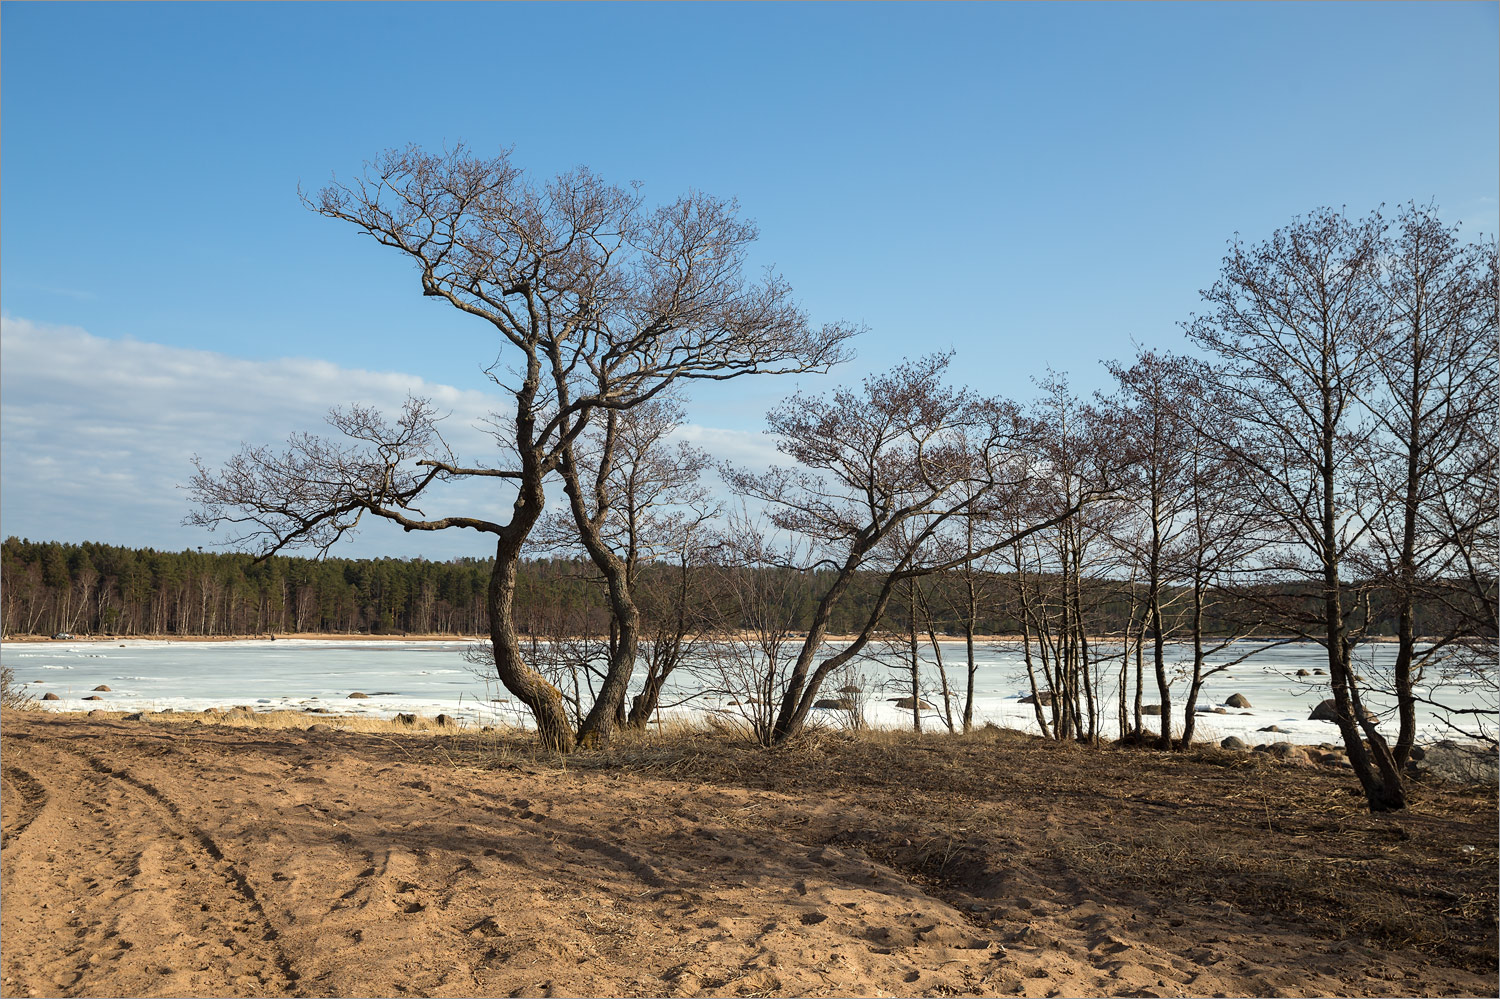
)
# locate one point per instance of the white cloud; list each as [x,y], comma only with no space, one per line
[96,435]
[738,447]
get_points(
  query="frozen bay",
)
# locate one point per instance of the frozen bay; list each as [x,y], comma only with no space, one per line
[429,677]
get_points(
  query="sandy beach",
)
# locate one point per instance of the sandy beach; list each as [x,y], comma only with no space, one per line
[254,857]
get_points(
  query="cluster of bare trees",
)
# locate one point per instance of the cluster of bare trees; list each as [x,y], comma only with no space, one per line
[1336,433]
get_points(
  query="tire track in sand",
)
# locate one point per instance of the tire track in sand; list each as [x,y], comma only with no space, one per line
[169,914]
[33,798]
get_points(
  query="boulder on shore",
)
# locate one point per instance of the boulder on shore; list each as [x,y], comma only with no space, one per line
[405,719]
[50,696]
[103,687]
[93,697]
[1328,710]
[358,696]
[443,721]
[1237,701]
[906,702]
[1044,697]
[1288,753]
[1270,728]
[1151,709]
[835,703]
[1303,672]
[850,688]
[1233,742]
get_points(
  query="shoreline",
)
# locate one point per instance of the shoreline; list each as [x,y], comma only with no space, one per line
[324,636]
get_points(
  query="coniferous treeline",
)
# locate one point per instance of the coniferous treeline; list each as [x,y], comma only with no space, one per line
[91,588]
[97,589]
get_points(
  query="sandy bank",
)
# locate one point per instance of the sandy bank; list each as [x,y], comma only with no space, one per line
[145,858]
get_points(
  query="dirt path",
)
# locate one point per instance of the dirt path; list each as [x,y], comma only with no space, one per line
[153,860]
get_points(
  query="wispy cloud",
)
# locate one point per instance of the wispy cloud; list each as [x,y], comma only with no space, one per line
[77,294]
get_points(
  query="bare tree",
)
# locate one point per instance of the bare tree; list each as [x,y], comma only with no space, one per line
[880,472]
[1294,323]
[654,516]
[598,304]
[750,656]
[1153,430]
[1433,396]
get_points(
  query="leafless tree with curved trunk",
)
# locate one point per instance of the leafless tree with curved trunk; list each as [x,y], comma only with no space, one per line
[880,471]
[1295,322]
[646,507]
[598,304]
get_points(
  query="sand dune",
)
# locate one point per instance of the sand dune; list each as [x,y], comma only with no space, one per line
[155,859]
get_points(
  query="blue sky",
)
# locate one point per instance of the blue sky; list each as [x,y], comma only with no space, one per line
[1027,185]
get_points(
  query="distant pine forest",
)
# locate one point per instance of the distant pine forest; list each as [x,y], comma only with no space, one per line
[96,589]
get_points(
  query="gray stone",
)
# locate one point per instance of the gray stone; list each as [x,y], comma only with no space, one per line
[1233,742]
[1270,728]
[1045,697]
[906,702]
[1237,701]
[1288,753]
[93,697]
[1328,710]
[834,703]
[138,716]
